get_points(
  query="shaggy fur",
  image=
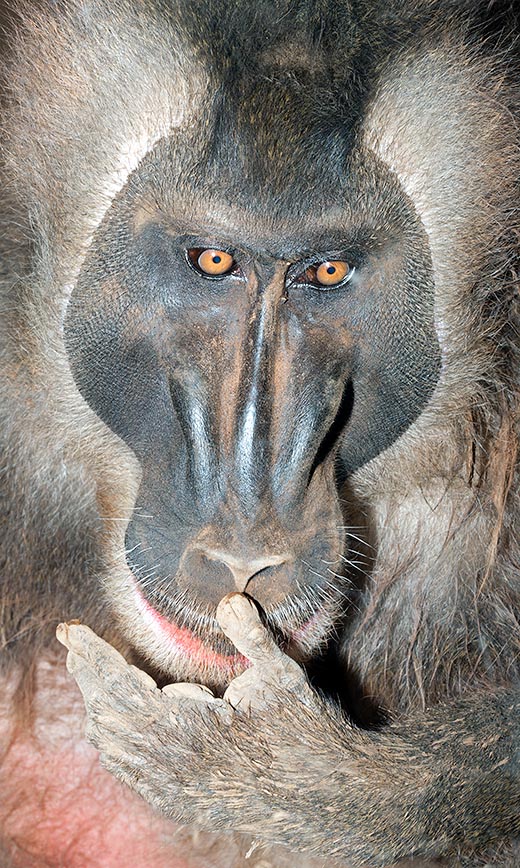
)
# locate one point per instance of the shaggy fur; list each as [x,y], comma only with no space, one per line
[430,625]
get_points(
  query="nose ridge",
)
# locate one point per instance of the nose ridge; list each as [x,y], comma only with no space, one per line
[243,570]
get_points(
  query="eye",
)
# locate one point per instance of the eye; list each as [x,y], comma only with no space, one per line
[211,263]
[333,272]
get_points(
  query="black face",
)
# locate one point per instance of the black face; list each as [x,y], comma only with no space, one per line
[250,362]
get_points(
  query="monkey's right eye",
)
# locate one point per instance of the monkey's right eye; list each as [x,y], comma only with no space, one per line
[211,263]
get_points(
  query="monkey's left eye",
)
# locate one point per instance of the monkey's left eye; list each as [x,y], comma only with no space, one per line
[334,272]
[211,263]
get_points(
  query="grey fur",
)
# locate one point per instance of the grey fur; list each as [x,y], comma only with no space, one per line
[432,632]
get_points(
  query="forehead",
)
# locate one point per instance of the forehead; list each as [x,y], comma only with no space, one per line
[320,206]
[261,230]
[269,147]
[271,154]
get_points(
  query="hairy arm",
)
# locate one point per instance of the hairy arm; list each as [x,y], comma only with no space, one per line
[275,760]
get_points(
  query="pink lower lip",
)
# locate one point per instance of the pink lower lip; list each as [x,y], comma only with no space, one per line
[186,643]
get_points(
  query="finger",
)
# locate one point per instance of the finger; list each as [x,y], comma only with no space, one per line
[248,692]
[182,690]
[100,671]
[269,684]
[83,642]
[240,620]
[196,694]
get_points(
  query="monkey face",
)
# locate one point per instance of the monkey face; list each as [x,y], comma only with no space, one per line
[251,361]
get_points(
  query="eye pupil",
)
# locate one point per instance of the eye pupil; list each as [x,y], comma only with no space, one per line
[210,262]
[331,273]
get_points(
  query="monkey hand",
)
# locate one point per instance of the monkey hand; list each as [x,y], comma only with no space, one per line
[272,759]
[273,674]
[214,762]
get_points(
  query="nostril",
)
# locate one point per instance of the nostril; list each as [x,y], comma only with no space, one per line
[208,573]
[243,570]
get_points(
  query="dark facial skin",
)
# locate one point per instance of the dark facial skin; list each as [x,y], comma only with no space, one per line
[248,397]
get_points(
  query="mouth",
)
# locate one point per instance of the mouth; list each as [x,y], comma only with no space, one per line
[183,642]
[301,641]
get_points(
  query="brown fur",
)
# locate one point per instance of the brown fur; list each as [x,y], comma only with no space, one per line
[431,630]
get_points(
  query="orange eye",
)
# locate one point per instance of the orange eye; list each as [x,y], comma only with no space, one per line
[330,273]
[213,263]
